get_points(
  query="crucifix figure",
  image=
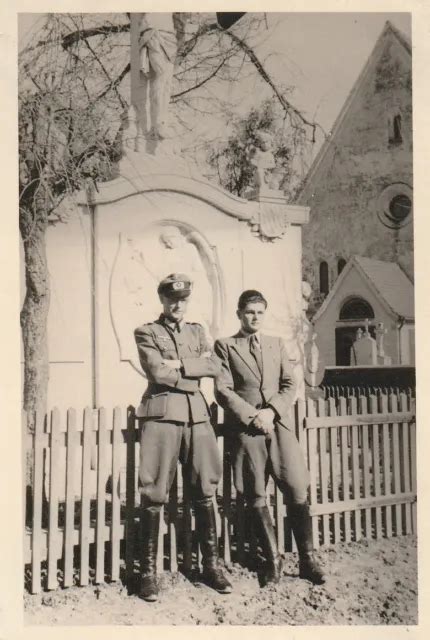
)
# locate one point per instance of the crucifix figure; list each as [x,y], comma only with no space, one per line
[153,53]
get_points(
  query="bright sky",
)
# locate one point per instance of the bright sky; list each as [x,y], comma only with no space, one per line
[324,53]
[320,54]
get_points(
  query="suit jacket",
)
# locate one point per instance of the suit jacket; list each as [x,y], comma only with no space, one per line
[240,387]
[174,395]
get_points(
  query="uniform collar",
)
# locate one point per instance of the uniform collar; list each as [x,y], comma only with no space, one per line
[172,324]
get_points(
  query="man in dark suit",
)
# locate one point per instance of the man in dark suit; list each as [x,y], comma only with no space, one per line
[175,355]
[257,390]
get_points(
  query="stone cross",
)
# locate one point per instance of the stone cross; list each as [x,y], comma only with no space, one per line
[366,327]
[380,333]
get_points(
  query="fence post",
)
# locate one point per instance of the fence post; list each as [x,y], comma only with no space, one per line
[334,469]
[323,470]
[363,408]
[69,528]
[413,468]
[345,469]
[396,484]
[116,494]
[355,466]
[406,467]
[376,461]
[130,494]
[36,538]
[54,472]
[386,464]
[101,496]
[85,497]
[312,457]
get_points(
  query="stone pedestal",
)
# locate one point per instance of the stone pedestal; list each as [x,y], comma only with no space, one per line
[364,351]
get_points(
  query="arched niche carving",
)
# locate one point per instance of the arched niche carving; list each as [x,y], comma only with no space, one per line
[143,260]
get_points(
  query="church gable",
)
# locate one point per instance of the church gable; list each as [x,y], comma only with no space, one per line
[376,116]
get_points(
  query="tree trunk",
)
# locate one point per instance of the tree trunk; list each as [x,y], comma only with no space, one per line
[34,316]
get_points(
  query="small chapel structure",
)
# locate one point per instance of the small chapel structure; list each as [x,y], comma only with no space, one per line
[368,317]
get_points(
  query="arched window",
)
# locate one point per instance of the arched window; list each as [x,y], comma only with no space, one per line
[356,309]
[324,277]
[397,128]
[340,265]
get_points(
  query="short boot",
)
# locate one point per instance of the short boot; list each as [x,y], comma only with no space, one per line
[266,536]
[150,524]
[212,573]
[301,524]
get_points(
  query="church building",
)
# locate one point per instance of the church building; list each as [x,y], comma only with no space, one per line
[359,187]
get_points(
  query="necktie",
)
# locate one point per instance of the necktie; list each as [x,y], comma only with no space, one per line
[256,352]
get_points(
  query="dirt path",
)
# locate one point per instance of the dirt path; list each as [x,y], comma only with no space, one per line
[370,583]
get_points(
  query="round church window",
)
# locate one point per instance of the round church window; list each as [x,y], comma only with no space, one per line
[399,208]
[394,206]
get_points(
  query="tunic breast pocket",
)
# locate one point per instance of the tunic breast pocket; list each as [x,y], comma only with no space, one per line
[166,346]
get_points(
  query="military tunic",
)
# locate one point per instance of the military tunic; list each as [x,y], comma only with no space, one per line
[174,414]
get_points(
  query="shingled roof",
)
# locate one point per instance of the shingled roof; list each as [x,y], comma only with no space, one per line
[392,284]
[388,281]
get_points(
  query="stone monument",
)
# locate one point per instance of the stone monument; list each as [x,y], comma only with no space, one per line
[364,349]
[160,215]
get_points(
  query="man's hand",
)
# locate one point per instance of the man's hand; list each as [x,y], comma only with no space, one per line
[172,364]
[264,420]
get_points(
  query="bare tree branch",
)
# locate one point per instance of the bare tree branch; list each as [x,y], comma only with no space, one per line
[266,77]
[84,34]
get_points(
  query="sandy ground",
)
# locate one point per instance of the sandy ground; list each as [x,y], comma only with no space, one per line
[370,582]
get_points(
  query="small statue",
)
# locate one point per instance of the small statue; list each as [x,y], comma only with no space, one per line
[262,158]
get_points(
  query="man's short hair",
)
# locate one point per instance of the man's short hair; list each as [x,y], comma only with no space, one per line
[250,295]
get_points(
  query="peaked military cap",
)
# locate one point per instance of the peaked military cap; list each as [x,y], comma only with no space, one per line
[176,285]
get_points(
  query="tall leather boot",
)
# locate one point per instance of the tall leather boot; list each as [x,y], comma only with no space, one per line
[212,574]
[150,524]
[301,524]
[266,535]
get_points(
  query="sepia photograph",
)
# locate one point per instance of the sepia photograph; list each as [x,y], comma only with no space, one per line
[217,318]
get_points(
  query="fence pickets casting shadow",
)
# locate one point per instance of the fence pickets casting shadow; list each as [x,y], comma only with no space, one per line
[83,520]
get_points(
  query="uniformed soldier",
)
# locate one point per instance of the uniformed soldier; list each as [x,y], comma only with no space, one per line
[175,355]
[256,388]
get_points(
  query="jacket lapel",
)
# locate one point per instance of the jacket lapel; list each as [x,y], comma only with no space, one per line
[241,346]
[266,354]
